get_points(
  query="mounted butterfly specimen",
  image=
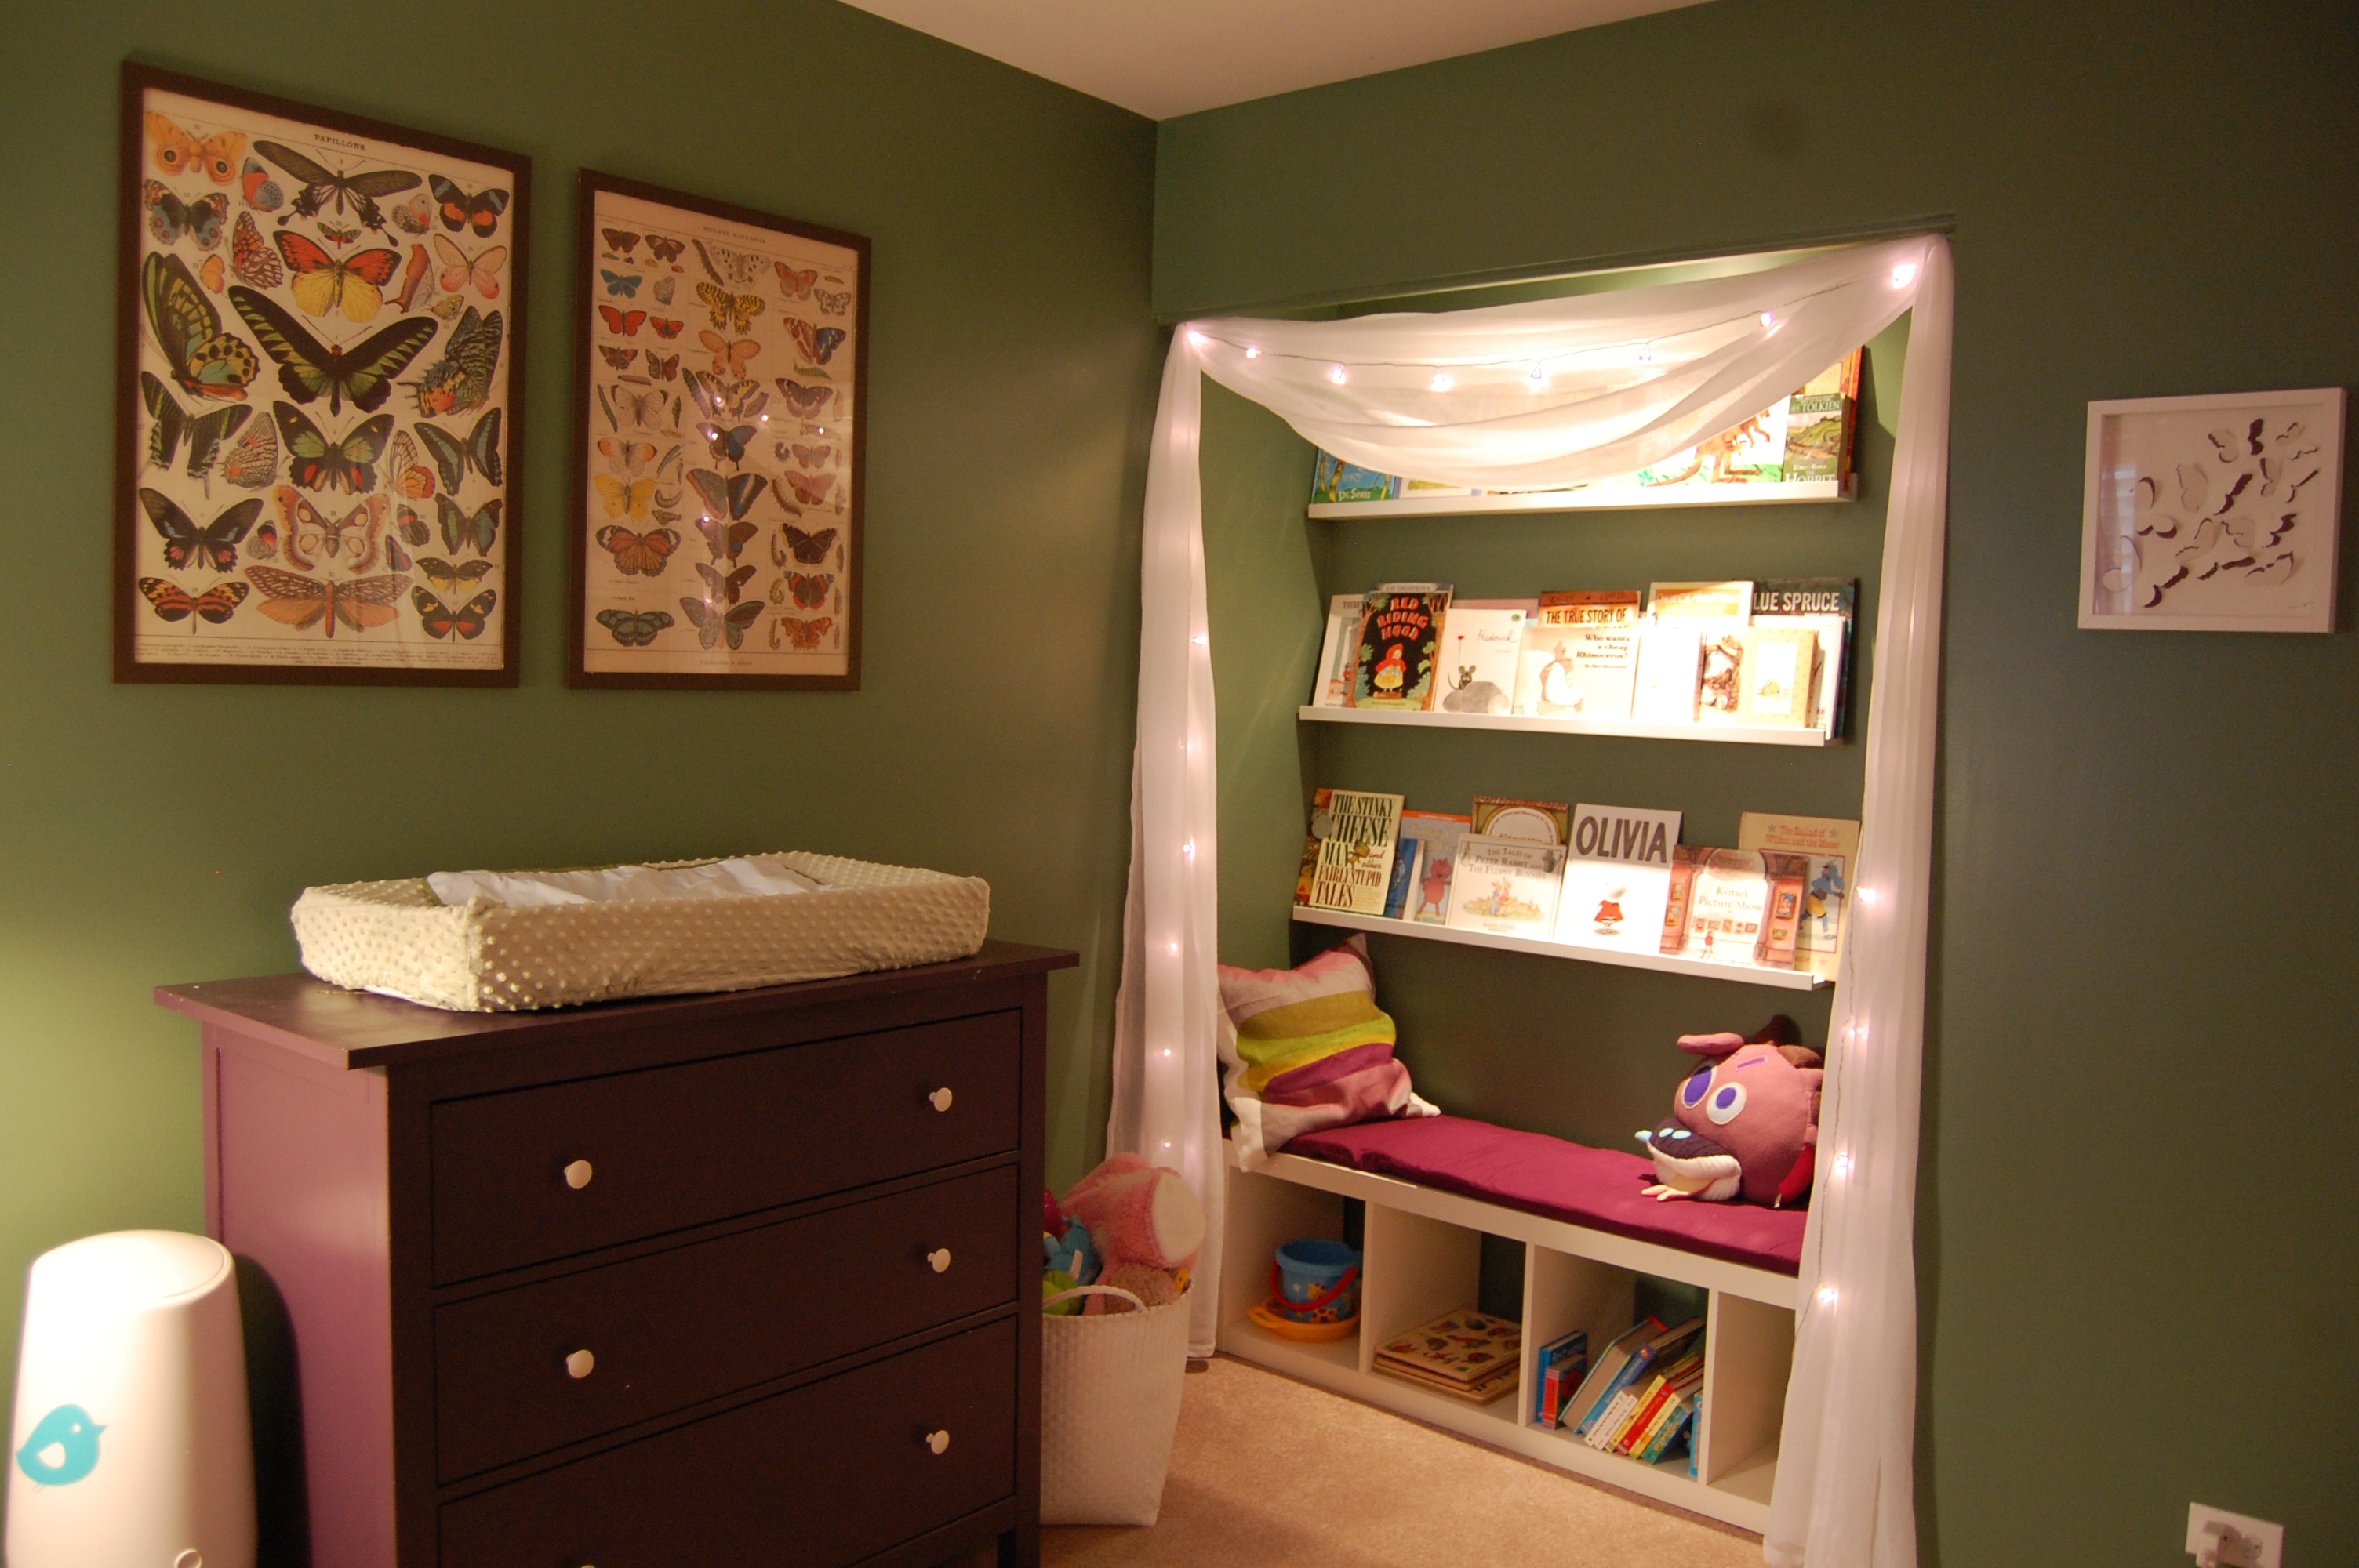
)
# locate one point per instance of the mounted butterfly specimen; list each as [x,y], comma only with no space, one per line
[729,266]
[179,151]
[480,211]
[307,367]
[204,359]
[478,530]
[818,344]
[172,602]
[441,621]
[460,381]
[346,463]
[712,622]
[303,602]
[213,547]
[643,555]
[168,217]
[462,271]
[633,629]
[325,190]
[205,433]
[454,456]
[322,283]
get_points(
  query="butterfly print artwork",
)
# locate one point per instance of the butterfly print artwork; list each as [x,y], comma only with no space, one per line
[666,329]
[480,211]
[729,358]
[478,530]
[214,547]
[205,361]
[440,619]
[634,629]
[201,218]
[725,265]
[415,286]
[729,586]
[360,604]
[712,621]
[346,463]
[307,367]
[460,271]
[460,381]
[810,550]
[796,284]
[454,579]
[322,283]
[172,602]
[178,150]
[625,323]
[833,302]
[638,554]
[818,344]
[331,191]
[802,637]
[480,449]
[810,489]
[663,289]
[618,359]
[665,250]
[309,538]
[411,217]
[730,312]
[252,461]
[805,402]
[618,284]
[174,425]
[260,192]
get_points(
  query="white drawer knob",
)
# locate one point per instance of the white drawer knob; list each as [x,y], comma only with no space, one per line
[578,1174]
[941,1099]
[938,1440]
[580,1364]
[939,1258]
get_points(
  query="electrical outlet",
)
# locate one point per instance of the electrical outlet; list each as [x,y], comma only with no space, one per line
[2222,1539]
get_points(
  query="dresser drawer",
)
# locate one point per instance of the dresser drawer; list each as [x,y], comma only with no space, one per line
[820,1477]
[673,1328]
[670,1147]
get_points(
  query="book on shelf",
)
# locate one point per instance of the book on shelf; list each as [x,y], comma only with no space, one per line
[1579,656]
[1332,479]
[1830,846]
[1718,612]
[1829,606]
[1618,877]
[1677,1427]
[1663,690]
[1672,1374]
[1333,686]
[1777,677]
[1355,830]
[1820,424]
[1481,642]
[1396,887]
[1534,821]
[1560,1364]
[1741,906]
[1606,1365]
[1680,896]
[1599,1425]
[1394,658]
[1429,842]
[1467,1353]
[1506,885]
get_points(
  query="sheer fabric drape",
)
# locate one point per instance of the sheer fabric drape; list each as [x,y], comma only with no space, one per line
[1553,393]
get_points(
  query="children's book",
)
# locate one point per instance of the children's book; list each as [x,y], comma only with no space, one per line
[1829,606]
[1355,830]
[1559,1365]
[1777,677]
[1335,479]
[1534,821]
[1579,655]
[1618,879]
[1727,907]
[1594,1426]
[1396,659]
[1664,688]
[1685,858]
[1422,833]
[1609,1364]
[1506,885]
[1717,612]
[1437,867]
[1831,847]
[1821,419]
[1481,641]
[1781,920]
[1467,1353]
[1333,686]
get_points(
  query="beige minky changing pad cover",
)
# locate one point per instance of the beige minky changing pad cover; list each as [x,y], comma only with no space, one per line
[398,938]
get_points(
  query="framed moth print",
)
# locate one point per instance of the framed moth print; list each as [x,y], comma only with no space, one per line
[319,394]
[720,391]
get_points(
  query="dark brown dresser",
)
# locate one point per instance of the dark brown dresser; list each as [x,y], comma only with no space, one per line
[748,1278]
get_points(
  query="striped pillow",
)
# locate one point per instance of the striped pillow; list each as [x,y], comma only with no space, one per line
[1307,1049]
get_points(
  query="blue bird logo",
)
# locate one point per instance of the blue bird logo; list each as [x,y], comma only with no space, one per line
[62,1449]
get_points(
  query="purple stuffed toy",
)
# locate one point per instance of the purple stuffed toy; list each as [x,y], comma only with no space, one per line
[1745,1124]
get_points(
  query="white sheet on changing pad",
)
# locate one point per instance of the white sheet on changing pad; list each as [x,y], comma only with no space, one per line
[746,876]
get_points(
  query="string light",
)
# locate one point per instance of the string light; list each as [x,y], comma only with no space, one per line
[1335,374]
[1646,356]
[1842,1164]
[1826,1293]
[1252,352]
[1539,374]
[1199,639]
[1189,848]
[1175,946]
[1868,896]
[1441,381]
[1903,275]
[1196,339]
[1768,318]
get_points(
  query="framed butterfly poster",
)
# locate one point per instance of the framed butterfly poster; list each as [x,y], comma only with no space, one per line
[719,391]
[319,391]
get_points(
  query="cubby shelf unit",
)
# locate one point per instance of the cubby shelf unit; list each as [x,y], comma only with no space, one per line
[1615,498]
[1421,1257]
[1664,963]
[1739,734]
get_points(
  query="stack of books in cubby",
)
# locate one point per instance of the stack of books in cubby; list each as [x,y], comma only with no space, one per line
[1642,1397]
[1604,877]
[1767,655]
[1467,1355]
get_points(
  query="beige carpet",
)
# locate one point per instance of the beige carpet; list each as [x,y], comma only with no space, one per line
[1267,1471]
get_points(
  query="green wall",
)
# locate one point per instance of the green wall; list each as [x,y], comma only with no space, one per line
[2137,1277]
[158,834]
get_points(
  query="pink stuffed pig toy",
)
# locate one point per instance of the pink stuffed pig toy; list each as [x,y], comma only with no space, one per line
[1745,1124]
[1137,1214]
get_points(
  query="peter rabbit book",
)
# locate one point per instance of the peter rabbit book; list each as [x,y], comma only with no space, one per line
[1506,885]
[1534,821]
[1356,833]
[1396,655]
[1332,685]
[1830,846]
[1480,640]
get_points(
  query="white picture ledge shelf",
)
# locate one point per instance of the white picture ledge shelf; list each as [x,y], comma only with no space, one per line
[1741,734]
[1610,499]
[1743,974]
[1422,1256]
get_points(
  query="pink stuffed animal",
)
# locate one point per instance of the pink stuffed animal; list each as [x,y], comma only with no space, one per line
[1137,1214]
[1745,1123]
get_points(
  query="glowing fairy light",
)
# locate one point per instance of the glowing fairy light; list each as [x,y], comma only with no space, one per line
[1826,1295]
[1335,374]
[1903,275]
[1252,352]
[1441,381]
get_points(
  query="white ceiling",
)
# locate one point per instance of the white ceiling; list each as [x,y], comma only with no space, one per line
[1161,58]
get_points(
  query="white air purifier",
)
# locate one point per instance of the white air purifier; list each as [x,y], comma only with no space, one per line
[131,1447]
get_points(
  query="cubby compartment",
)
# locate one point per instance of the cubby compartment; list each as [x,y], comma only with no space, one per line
[1264,1214]
[1414,1270]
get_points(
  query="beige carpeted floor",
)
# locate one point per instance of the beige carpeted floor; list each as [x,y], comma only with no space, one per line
[1267,1471]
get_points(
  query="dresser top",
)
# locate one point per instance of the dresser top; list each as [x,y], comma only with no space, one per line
[360,1029]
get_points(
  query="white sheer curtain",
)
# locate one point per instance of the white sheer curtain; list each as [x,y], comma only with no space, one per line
[1549,392]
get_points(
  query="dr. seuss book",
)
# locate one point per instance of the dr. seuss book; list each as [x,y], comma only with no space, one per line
[1534,821]
[1355,831]
[1506,885]
[1618,879]
[1335,479]
[1777,684]
[1400,646]
[1331,686]
[1829,606]
[1481,639]
[1829,846]
[1429,845]
[1579,655]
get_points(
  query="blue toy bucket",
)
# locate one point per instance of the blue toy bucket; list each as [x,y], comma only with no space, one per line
[1316,1281]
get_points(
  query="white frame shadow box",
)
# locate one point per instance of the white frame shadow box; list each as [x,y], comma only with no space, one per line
[2217,514]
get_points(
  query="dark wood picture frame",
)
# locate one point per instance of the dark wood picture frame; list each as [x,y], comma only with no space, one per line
[138,81]
[590,518]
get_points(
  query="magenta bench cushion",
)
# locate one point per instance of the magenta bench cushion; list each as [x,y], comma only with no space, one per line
[1601,1188]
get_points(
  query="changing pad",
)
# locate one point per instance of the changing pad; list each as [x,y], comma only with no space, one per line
[481,955]
[1604,1189]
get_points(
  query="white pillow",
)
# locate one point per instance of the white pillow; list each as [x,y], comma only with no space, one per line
[745,876]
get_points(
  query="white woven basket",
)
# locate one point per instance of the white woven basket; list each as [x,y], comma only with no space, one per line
[1109,1405]
[398,938]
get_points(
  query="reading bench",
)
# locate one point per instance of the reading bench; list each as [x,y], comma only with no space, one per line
[1434,1187]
